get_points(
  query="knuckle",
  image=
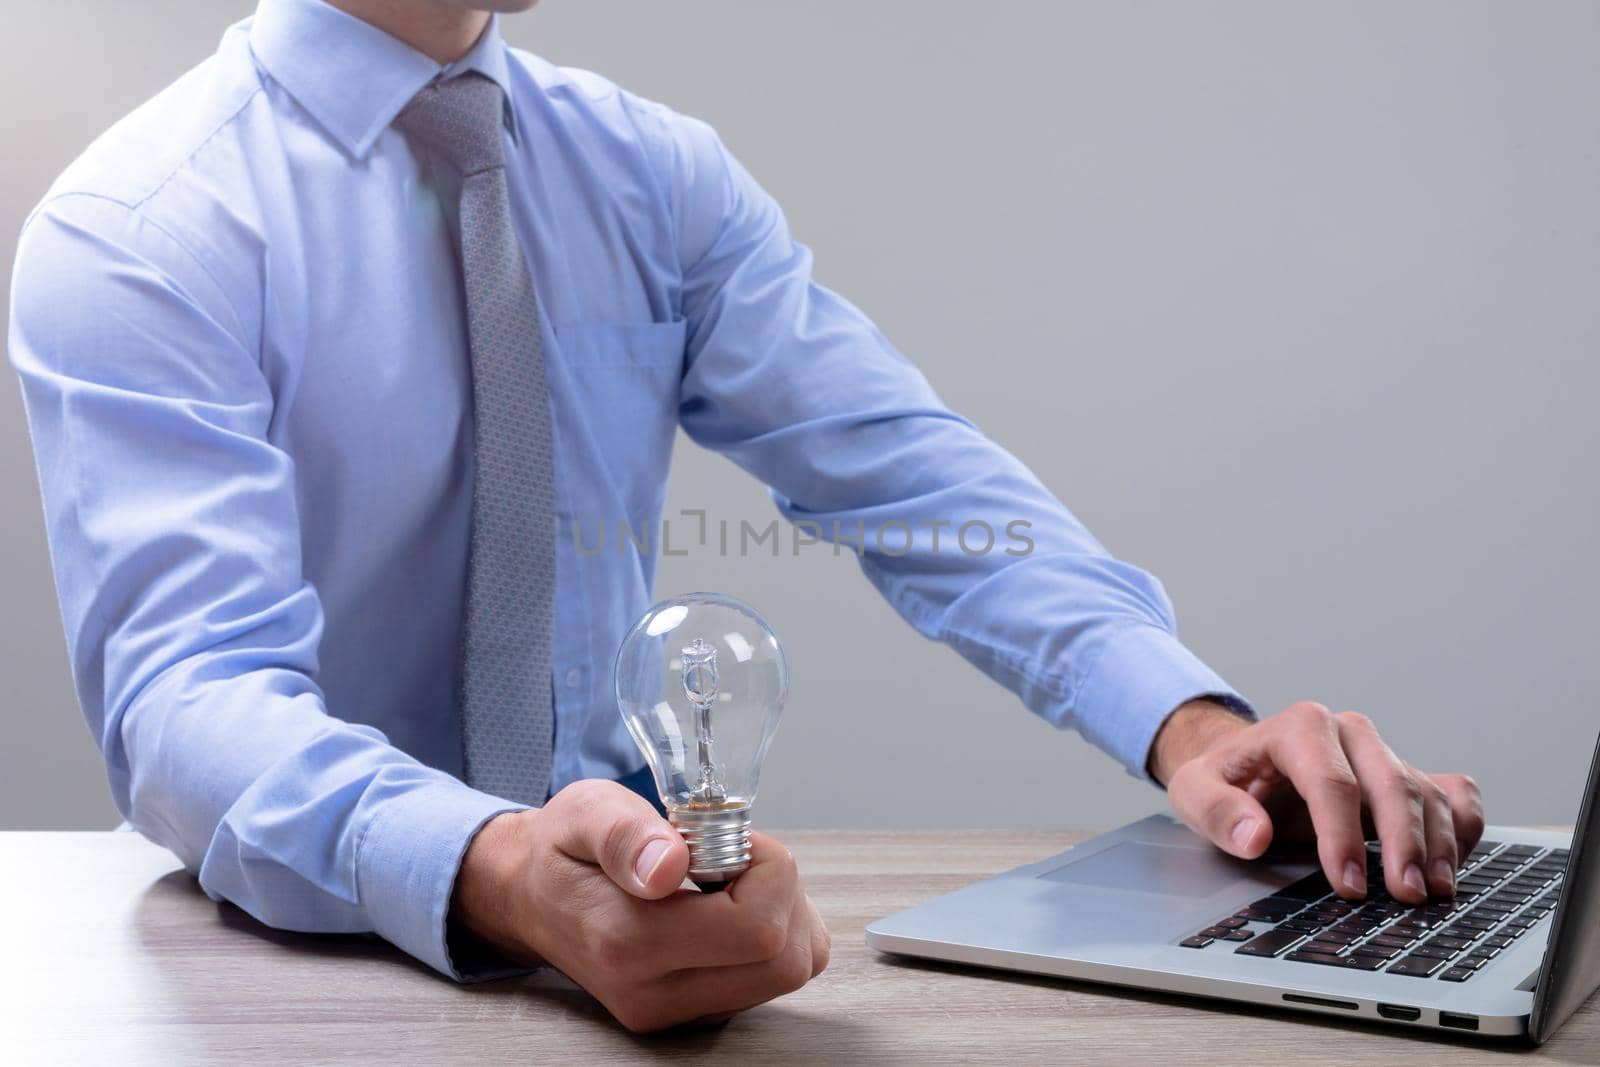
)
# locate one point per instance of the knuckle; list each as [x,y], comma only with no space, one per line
[1402,782]
[1309,713]
[770,937]
[1215,812]
[1354,720]
[821,956]
[1339,782]
[792,969]
[611,951]
[583,794]
[616,834]
[636,1017]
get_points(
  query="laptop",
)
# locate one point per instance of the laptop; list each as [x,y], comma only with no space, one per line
[1153,906]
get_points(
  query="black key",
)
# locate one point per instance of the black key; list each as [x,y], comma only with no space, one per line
[1497,941]
[1282,905]
[1474,961]
[1481,956]
[1522,850]
[1361,963]
[1195,942]
[1416,967]
[1301,927]
[1455,944]
[1456,974]
[1232,922]
[1522,922]
[1377,952]
[1254,914]
[1513,932]
[1339,938]
[1486,847]
[1356,926]
[1435,952]
[1237,935]
[1270,943]
[1473,922]
[1560,853]
[1317,944]
[1466,933]
[1354,963]
[1388,940]
[1511,896]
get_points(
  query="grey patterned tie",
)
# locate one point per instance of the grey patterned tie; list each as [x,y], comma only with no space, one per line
[506,713]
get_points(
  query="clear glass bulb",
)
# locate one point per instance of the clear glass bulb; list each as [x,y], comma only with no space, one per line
[701,681]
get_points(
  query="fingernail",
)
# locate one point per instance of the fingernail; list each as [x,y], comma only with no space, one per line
[1444,874]
[1243,831]
[1413,879]
[1355,879]
[649,859]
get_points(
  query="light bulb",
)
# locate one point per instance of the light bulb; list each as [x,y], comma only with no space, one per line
[701,681]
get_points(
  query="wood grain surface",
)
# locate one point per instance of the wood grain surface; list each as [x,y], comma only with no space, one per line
[113,955]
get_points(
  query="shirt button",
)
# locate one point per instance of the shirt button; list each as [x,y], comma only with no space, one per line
[574,676]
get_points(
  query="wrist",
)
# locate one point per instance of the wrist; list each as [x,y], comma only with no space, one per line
[1190,730]
[483,903]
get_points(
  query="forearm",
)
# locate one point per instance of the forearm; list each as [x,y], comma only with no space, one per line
[301,820]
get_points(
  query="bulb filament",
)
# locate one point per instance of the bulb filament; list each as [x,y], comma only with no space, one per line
[700,686]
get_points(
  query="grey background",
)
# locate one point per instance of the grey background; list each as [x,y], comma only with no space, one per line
[1296,305]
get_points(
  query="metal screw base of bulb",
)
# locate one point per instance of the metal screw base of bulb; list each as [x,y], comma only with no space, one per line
[718,840]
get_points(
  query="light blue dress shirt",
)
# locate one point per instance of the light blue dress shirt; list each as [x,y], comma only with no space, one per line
[239,328]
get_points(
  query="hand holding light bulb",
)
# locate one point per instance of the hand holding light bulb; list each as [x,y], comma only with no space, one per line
[593,883]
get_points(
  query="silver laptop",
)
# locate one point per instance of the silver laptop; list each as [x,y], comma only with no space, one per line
[1154,906]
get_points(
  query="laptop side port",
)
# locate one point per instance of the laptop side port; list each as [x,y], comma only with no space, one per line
[1401,1012]
[1458,1022]
[1321,1002]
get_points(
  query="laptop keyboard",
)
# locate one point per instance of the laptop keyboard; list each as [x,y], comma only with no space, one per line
[1502,891]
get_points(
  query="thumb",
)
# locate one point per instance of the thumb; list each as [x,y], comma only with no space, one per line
[604,823]
[1227,816]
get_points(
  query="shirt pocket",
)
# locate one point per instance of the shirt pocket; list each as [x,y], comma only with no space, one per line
[616,413]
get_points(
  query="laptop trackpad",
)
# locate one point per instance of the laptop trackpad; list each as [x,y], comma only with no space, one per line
[1140,867]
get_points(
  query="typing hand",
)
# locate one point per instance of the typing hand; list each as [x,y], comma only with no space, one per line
[591,884]
[1309,774]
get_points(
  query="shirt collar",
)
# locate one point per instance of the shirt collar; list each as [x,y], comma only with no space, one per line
[351,76]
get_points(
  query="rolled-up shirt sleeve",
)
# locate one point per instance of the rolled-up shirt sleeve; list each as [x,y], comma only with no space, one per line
[798,387]
[192,632]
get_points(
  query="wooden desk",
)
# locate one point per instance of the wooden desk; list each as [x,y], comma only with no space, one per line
[112,955]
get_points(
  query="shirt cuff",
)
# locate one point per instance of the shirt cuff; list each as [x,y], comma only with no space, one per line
[407,865]
[1142,675]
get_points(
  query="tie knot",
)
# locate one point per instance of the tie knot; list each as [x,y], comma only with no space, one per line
[460,120]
